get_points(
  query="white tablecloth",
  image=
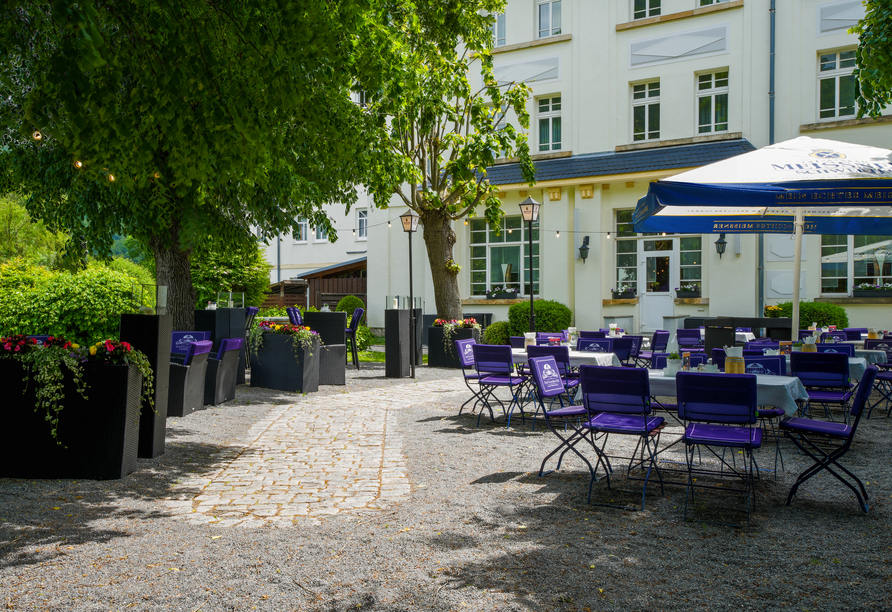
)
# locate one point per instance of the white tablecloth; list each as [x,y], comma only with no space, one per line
[577,358]
[779,391]
[871,356]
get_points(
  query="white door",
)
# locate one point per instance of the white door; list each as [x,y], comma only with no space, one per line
[658,258]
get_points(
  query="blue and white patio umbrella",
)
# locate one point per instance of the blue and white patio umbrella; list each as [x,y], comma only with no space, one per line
[803,185]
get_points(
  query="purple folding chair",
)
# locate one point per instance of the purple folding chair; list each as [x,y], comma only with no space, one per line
[180,342]
[657,345]
[351,334]
[619,400]
[222,372]
[688,339]
[769,365]
[593,334]
[658,360]
[637,343]
[838,336]
[803,432]
[548,382]
[561,355]
[718,358]
[495,368]
[623,347]
[186,382]
[826,378]
[854,333]
[761,346]
[884,377]
[465,353]
[516,341]
[806,333]
[836,347]
[595,345]
[294,315]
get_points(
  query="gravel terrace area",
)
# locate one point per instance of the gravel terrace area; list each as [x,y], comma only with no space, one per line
[379,496]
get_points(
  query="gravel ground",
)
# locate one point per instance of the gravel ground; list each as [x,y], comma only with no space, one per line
[480,531]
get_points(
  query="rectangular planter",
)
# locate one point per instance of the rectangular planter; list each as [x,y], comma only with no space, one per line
[224,323]
[629,295]
[687,294]
[871,294]
[333,364]
[279,365]
[440,352]
[396,343]
[331,326]
[500,296]
[99,435]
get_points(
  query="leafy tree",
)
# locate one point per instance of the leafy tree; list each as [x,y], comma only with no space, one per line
[179,122]
[874,58]
[21,236]
[240,267]
[446,131]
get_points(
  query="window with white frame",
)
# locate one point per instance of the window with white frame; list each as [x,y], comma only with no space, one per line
[712,102]
[498,30]
[301,234]
[710,2]
[852,260]
[626,252]
[321,234]
[549,17]
[549,124]
[362,224]
[646,111]
[836,85]
[501,259]
[642,9]
[690,260]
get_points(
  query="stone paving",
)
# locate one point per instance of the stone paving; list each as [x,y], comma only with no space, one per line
[324,455]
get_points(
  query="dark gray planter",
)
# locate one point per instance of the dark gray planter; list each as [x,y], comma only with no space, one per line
[279,365]
[224,323]
[687,294]
[333,364]
[628,295]
[868,293]
[501,296]
[440,352]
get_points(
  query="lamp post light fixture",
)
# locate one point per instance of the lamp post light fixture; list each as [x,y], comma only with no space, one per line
[529,208]
[720,245]
[410,225]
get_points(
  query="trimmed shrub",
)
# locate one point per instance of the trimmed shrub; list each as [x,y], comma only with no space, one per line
[497,333]
[348,304]
[821,313]
[551,316]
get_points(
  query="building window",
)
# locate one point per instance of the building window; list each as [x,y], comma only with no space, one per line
[626,252]
[362,222]
[549,17]
[502,259]
[690,260]
[646,111]
[709,2]
[321,234]
[642,9]
[550,124]
[712,102]
[852,260]
[498,30]
[301,235]
[836,85]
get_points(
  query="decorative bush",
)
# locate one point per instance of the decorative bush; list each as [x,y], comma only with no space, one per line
[348,304]
[551,316]
[363,338]
[497,333]
[816,312]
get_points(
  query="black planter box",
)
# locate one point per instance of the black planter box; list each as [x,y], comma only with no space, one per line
[333,364]
[687,294]
[279,365]
[331,326]
[628,295]
[224,323]
[868,293]
[99,435]
[151,335]
[442,354]
[501,296]
[396,343]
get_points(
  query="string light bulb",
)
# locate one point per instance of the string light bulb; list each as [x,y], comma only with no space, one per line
[466,221]
[157,175]
[354,232]
[663,234]
[111,178]
[388,224]
[37,135]
[557,234]
[608,235]
[78,163]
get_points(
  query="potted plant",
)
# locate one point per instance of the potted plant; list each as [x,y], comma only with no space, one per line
[284,357]
[673,364]
[502,293]
[624,291]
[872,291]
[772,311]
[688,290]
[441,339]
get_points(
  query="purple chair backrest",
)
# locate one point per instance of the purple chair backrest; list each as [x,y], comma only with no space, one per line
[658,360]
[836,347]
[492,359]
[880,345]
[854,333]
[622,347]
[230,344]
[863,392]
[716,398]
[660,341]
[637,341]
[180,340]
[688,337]
[465,352]
[718,358]
[516,341]
[294,316]
[839,335]
[197,348]
[820,369]
[595,345]
[761,346]
[561,355]
[547,376]
[806,333]
[356,319]
[772,365]
[592,334]
[610,389]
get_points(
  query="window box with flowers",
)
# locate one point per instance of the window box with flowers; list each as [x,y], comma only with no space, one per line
[687,291]
[502,293]
[441,339]
[284,357]
[624,291]
[866,290]
[72,412]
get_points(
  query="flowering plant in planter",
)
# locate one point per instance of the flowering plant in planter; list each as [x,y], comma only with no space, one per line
[116,352]
[688,287]
[624,289]
[303,336]
[869,287]
[449,328]
[501,289]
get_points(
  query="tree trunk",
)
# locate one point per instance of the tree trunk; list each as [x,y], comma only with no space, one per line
[439,240]
[173,270]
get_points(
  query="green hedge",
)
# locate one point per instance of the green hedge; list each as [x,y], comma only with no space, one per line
[821,313]
[348,304]
[497,333]
[551,316]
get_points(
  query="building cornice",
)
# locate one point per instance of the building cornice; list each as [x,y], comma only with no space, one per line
[551,40]
[703,10]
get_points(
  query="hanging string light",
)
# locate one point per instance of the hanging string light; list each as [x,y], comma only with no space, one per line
[37,135]
[557,234]
[354,232]
[111,178]
[388,224]
[78,163]
[608,235]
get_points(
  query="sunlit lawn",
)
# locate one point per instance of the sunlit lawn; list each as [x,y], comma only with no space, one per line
[376,357]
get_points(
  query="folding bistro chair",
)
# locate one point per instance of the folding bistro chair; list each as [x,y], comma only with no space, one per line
[561,355]
[595,345]
[806,333]
[718,358]
[803,432]
[836,347]
[838,336]
[619,400]
[657,345]
[465,353]
[516,341]
[495,368]
[688,339]
[623,347]
[769,365]
[826,378]
[549,386]
[854,333]
[637,343]
[756,345]
[351,334]
[294,316]
[593,334]
[719,410]
[884,377]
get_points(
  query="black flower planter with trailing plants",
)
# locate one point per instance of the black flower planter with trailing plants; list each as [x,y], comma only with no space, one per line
[97,436]
[871,293]
[441,351]
[280,365]
[625,295]
[501,296]
[687,294]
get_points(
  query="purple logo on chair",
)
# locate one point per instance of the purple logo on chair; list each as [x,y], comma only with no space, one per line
[469,353]
[182,341]
[757,368]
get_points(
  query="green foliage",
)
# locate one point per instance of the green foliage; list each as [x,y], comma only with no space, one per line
[83,307]
[821,313]
[874,58]
[364,338]
[274,311]
[348,304]
[235,267]
[551,316]
[498,333]
[20,236]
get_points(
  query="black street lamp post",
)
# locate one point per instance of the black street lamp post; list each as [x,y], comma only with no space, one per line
[410,225]
[529,208]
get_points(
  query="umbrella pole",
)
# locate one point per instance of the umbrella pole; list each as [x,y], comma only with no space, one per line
[798,225]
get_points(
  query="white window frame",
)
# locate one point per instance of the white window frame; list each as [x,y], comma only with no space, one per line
[319,234]
[303,231]
[719,85]
[836,74]
[552,8]
[516,237]
[644,96]
[651,8]
[850,277]
[499,27]
[709,2]
[550,115]
[362,224]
